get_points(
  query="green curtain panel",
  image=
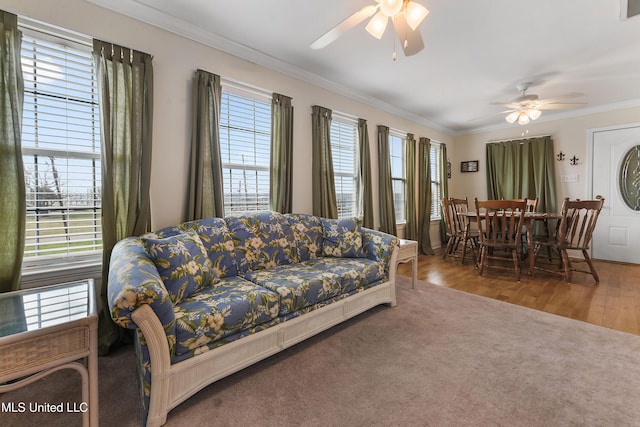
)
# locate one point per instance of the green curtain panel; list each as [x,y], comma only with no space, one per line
[13,206]
[411,227]
[206,194]
[444,171]
[125,84]
[281,170]
[523,168]
[385,186]
[364,176]
[424,196]
[444,186]
[323,184]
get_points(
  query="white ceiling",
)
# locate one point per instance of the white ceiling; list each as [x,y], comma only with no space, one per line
[475,52]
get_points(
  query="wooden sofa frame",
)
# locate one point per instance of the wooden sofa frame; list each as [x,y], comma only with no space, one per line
[173,384]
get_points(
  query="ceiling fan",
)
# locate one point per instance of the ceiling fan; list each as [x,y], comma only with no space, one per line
[529,107]
[405,14]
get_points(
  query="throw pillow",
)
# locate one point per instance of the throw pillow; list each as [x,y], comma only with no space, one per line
[182,262]
[342,238]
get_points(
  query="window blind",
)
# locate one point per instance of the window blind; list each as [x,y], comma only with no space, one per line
[344,152]
[436,177]
[245,147]
[397,155]
[61,149]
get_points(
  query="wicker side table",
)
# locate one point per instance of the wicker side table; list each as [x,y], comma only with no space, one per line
[43,330]
[409,252]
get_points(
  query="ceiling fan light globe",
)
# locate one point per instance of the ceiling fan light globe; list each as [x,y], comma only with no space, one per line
[390,7]
[512,117]
[377,25]
[534,114]
[523,119]
[415,14]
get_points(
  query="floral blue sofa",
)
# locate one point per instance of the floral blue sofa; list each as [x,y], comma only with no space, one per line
[211,297]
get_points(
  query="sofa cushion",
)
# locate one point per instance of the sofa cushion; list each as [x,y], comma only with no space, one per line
[342,238]
[182,262]
[216,238]
[262,240]
[299,285]
[231,305]
[354,273]
[308,234]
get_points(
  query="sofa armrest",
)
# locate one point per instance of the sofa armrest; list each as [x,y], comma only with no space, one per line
[379,246]
[133,282]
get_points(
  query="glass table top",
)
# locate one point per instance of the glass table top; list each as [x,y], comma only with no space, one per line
[32,309]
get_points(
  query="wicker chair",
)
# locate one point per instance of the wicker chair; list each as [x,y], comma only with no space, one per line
[574,232]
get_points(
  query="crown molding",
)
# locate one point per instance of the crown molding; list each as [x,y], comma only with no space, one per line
[152,16]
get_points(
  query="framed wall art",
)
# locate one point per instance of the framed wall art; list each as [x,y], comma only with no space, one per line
[469,166]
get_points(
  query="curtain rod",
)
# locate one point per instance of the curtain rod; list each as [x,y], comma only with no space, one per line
[517,139]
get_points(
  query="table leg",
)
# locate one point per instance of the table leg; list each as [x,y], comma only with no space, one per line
[92,365]
[530,256]
[415,272]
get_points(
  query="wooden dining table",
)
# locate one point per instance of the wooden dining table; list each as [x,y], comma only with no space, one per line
[529,219]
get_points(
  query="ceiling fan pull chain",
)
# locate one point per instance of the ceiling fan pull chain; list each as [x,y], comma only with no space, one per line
[393,55]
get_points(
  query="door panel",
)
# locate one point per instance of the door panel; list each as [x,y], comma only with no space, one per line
[614,176]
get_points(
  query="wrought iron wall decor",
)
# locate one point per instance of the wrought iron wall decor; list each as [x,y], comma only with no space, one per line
[574,161]
[560,156]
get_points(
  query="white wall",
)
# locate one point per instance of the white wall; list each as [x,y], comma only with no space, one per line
[175,59]
[569,136]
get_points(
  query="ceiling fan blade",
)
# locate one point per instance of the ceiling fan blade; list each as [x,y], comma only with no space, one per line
[512,105]
[333,34]
[559,106]
[411,40]
[561,97]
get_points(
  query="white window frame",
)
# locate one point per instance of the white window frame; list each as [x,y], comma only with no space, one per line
[345,155]
[38,267]
[400,205]
[257,164]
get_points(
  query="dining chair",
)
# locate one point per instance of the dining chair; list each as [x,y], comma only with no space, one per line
[532,206]
[574,232]
[499,226]
[458,232]
[462,207]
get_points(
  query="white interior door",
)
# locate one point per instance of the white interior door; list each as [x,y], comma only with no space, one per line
[616,176]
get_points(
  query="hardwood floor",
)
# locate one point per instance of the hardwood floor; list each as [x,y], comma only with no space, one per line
[613,303]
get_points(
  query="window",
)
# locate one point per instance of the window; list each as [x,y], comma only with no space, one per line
[344,152]
[435,161]
[61,150]
[245,146]
[397,155]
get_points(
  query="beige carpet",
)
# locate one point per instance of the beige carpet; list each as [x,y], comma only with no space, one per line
[440,358]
